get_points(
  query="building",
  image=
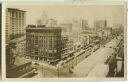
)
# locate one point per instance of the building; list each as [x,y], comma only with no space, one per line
[20,45]
[15,23]
[83,24]
[67,47]
[43,43]
[117,29]
[43,19]
[66,28]
[100,24]
[107,31]
[88,35]
[9,56]
[20,68]
[16,66]
[51,23]
[16,47]
[64,41]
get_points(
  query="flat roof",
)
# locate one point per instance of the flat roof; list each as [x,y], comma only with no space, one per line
[41,27]
[15,9]
[19,39]
[20,61]
[45,28]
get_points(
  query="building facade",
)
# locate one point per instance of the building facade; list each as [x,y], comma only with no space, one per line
[43,43]
[16,62]
[107,31]
[83,24]
[15,23]
[67,47]
[51,23]
[20,45]
[100,24]
[66,28]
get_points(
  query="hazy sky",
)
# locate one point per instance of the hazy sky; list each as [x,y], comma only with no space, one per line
[61,12]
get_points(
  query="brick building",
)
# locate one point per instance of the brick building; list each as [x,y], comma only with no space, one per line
[43,43]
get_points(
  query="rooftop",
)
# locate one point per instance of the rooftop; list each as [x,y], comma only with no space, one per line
[39,27]
[15,9]
[19,39]
[20,61]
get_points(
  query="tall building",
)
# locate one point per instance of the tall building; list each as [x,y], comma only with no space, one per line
[83,24]
[15,23]
[43,43]
[66,28]
[79,25]
[100,24]
[51,23]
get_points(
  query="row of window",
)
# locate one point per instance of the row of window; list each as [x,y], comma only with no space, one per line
[41,53]
[17,31]
[17,14]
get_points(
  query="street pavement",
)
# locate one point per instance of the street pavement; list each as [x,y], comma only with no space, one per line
[87,64]
[100,56]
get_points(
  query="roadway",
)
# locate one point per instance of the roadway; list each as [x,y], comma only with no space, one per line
[89,63]
[100,56]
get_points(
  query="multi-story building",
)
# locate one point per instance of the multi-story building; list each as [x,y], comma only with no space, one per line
[117,28]
[20,45]
[43,43]
[107,31]
[83,24]
[88,35]
[51,23]
[67,47]
[100,24]
[15,23]
[66,28]
[19,66]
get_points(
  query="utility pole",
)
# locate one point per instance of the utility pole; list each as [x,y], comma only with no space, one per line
[43,73]
[58,70]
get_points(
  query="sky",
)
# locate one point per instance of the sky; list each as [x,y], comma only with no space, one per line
[64,12]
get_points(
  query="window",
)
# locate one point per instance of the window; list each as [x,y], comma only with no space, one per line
[36,52]
[50,55]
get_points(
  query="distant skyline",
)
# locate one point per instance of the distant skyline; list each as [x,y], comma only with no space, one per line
[67,12]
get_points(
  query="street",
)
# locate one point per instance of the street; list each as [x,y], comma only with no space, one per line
[85,59]
[100,56]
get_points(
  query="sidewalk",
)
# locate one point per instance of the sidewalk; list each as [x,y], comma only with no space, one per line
[46,65]
[84,67]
